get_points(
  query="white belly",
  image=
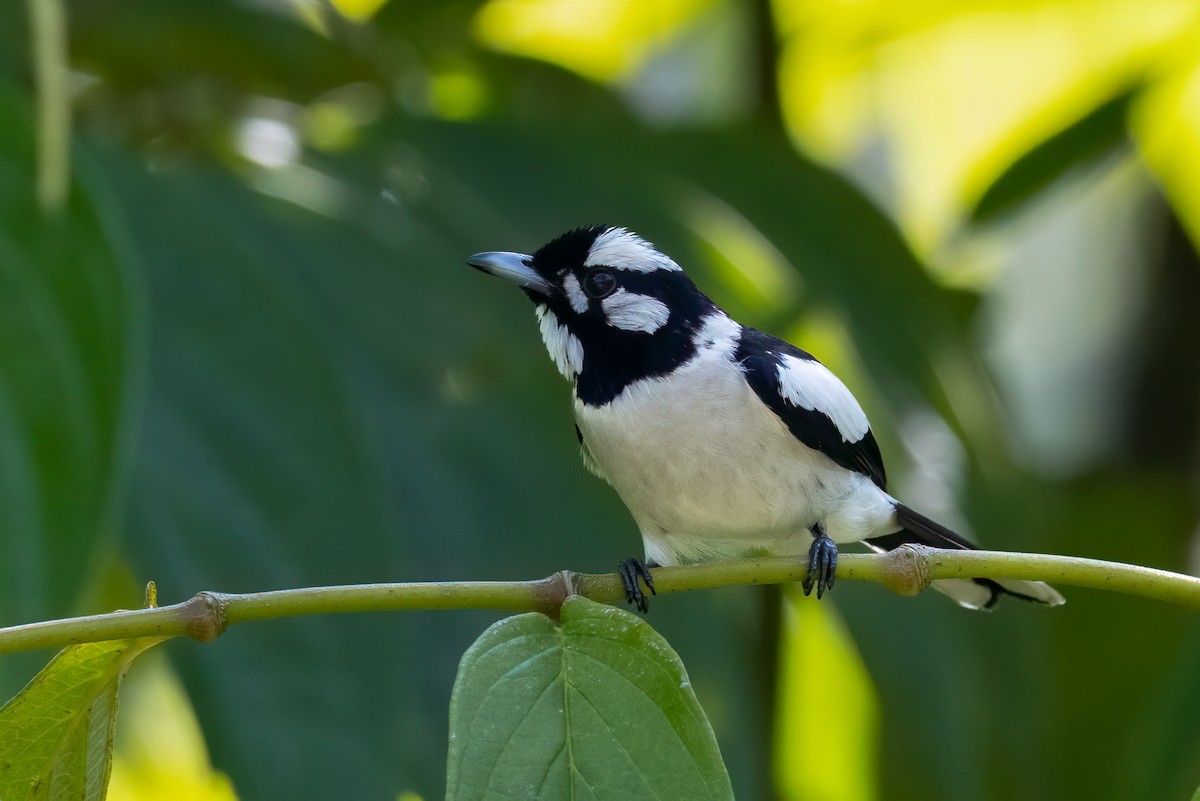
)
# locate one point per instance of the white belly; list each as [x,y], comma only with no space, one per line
[709,471]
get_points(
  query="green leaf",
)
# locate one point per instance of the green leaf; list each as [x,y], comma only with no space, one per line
[69,371]
[598,707]
[58,731]
[1096,134]
[406,403]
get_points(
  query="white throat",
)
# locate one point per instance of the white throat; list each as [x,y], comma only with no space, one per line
[565,348]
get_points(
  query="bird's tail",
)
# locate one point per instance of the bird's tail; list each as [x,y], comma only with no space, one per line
[979,593]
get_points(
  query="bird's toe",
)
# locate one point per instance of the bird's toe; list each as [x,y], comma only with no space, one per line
[822,566]
[633,573]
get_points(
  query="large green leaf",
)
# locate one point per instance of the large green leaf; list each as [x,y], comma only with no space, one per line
[58,732]
[335,397]
[333,401]
[68,376]
[155,43]
[598,707]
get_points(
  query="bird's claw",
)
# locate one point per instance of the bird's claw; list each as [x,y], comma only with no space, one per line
[822,565]
[630,571]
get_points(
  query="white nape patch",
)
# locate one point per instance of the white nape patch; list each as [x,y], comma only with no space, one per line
[575,295]
[565,348]
[625,250]
[633,312]
[810,385]
[720,332]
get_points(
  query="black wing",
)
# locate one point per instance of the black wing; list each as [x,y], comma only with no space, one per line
[761,357]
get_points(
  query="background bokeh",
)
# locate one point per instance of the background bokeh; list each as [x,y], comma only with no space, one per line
[239,350]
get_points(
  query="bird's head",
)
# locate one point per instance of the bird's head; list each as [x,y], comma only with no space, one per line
[612,308]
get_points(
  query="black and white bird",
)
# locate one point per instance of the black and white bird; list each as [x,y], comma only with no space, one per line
[723,441]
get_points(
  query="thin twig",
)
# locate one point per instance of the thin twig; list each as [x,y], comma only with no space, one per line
[906,570]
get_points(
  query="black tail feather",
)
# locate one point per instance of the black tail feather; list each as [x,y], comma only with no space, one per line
[918,529]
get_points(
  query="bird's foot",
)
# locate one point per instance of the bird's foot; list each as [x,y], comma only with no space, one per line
[630,571]
[822,564]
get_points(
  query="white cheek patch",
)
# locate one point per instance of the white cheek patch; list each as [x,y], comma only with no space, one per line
[810,385]
[633,312]
[578,300]
[564,347]
[624,250]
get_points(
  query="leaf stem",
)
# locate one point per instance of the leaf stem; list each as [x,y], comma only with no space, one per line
[48,29]
[906,570]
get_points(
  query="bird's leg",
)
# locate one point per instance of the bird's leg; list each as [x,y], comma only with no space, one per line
[822,562]
[630,571]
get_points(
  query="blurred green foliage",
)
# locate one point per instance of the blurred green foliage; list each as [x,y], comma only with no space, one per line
[247,354]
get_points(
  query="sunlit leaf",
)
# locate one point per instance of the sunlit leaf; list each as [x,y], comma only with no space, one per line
[959,96]
[58,732]
[616,39]
[1166,123]
[358,10]
[827,725]
[597,707]
[160,752]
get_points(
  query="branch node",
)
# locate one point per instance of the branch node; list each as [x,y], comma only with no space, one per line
[203,616]
[555,590]
[906,571]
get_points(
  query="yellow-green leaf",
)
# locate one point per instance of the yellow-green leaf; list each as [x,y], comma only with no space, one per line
[827,726]
[58,731]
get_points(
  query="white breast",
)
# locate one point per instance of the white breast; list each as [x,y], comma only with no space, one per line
[709,471]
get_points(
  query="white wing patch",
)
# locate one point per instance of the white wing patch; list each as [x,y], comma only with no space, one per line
[634,312]
[810,385]
[625,250]
[565,348]
[575,295]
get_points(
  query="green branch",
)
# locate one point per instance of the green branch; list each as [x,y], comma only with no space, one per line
[906,570]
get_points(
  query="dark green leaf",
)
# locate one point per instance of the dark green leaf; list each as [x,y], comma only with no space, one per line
[69,370]
[1098,133]
[157,43]
[598,707]
[336,397]
[58,732]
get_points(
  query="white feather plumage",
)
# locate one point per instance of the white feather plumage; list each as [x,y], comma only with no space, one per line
[810,385]
[709,471]
[624,250]
[631,311]
[564,347]
[575,294]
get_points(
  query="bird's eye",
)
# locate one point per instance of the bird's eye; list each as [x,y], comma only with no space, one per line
[599,283]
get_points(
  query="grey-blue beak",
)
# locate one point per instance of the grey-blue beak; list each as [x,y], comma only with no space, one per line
[513,266]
